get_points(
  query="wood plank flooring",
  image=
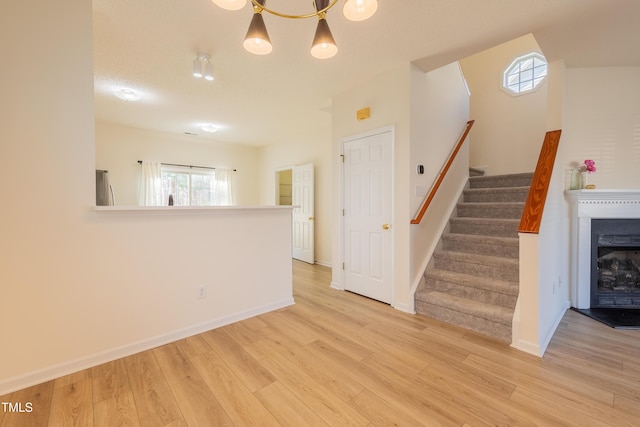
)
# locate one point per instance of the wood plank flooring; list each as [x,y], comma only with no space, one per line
[338,359]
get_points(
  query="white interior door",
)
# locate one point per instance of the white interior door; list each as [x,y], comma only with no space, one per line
[303,213]
[367,216]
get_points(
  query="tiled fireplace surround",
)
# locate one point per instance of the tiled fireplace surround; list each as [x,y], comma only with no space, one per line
[587,205]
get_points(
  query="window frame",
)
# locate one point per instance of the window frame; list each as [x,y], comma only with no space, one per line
[517,61]
[190,172]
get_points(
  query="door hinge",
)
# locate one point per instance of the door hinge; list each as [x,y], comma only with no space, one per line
[342,212]
[342,157]
[343,265]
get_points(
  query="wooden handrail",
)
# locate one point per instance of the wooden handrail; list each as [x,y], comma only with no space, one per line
[444,171]
[534,206]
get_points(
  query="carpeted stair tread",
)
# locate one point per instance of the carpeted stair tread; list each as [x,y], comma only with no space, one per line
[502,194]
[489,240]
[499,331]
[478,259]
[499,268]
[508,247]
[503,210]
[485,226]
[471,281]
[496,181]
[473,308]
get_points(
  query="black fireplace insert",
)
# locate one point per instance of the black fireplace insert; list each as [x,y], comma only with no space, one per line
[615,263]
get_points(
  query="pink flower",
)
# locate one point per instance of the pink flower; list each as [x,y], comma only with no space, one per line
[589,166]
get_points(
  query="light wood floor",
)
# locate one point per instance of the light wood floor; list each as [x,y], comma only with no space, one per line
[338,359]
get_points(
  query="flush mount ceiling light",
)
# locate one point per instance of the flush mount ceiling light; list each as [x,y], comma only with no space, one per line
[209,128]
[202,67]
[126,94]
[257,40]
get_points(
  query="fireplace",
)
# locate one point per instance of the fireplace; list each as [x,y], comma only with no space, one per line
[610,250]
[615,263]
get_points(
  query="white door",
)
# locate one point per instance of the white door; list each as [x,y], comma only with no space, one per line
[303,213]
[367,216]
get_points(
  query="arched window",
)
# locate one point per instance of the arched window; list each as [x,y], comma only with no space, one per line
[525,73]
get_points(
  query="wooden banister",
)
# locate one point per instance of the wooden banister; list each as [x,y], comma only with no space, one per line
[444,171]
[534,206]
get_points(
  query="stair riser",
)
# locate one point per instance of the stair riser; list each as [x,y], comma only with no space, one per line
[480,248]
[480,295]
[499,230]
[487,327]
[504,196]
[500,272]
[523,180]
[490,211]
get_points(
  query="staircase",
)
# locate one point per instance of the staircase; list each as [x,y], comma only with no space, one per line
[472,278]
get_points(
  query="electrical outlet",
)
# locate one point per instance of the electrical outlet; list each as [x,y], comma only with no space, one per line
[202,291]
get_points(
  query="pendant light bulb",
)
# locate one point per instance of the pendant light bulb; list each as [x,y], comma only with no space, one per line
[230,4]
[323,46]
[359,10]
[257,39]
[208,71]
[197,67]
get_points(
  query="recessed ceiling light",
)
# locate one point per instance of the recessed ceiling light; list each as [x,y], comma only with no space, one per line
[126,94]
[210,128]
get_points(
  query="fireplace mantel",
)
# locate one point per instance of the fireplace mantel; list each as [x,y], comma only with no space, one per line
[586,205]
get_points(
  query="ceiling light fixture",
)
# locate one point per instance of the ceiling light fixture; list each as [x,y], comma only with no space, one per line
[210,128]
[231,4]
[126,94]
[202,67]
[257,40]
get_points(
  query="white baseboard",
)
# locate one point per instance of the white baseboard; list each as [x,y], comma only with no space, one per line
[407,308]
[337,286]
[547,339]
[10,385]
[538,349]
[323,263]
[527,347]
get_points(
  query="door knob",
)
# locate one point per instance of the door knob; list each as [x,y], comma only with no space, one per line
[311,218]
[386,226]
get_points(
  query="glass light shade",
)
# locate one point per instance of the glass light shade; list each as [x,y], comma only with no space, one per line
[359,10]
[197,68]
[324,46]
[257,39]
[208,71]
[230,4]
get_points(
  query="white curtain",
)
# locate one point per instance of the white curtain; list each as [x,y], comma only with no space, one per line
[151,184]
[223,188]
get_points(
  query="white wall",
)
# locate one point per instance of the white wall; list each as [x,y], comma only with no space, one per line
[80,287]
[508,130]
[601,122]
[314,148]
[439,114]
[428,113]
[118,149]
[388,96]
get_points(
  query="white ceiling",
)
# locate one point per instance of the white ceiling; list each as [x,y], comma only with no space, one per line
[149,46]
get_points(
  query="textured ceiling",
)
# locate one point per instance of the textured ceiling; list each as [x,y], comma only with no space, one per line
[149,46]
